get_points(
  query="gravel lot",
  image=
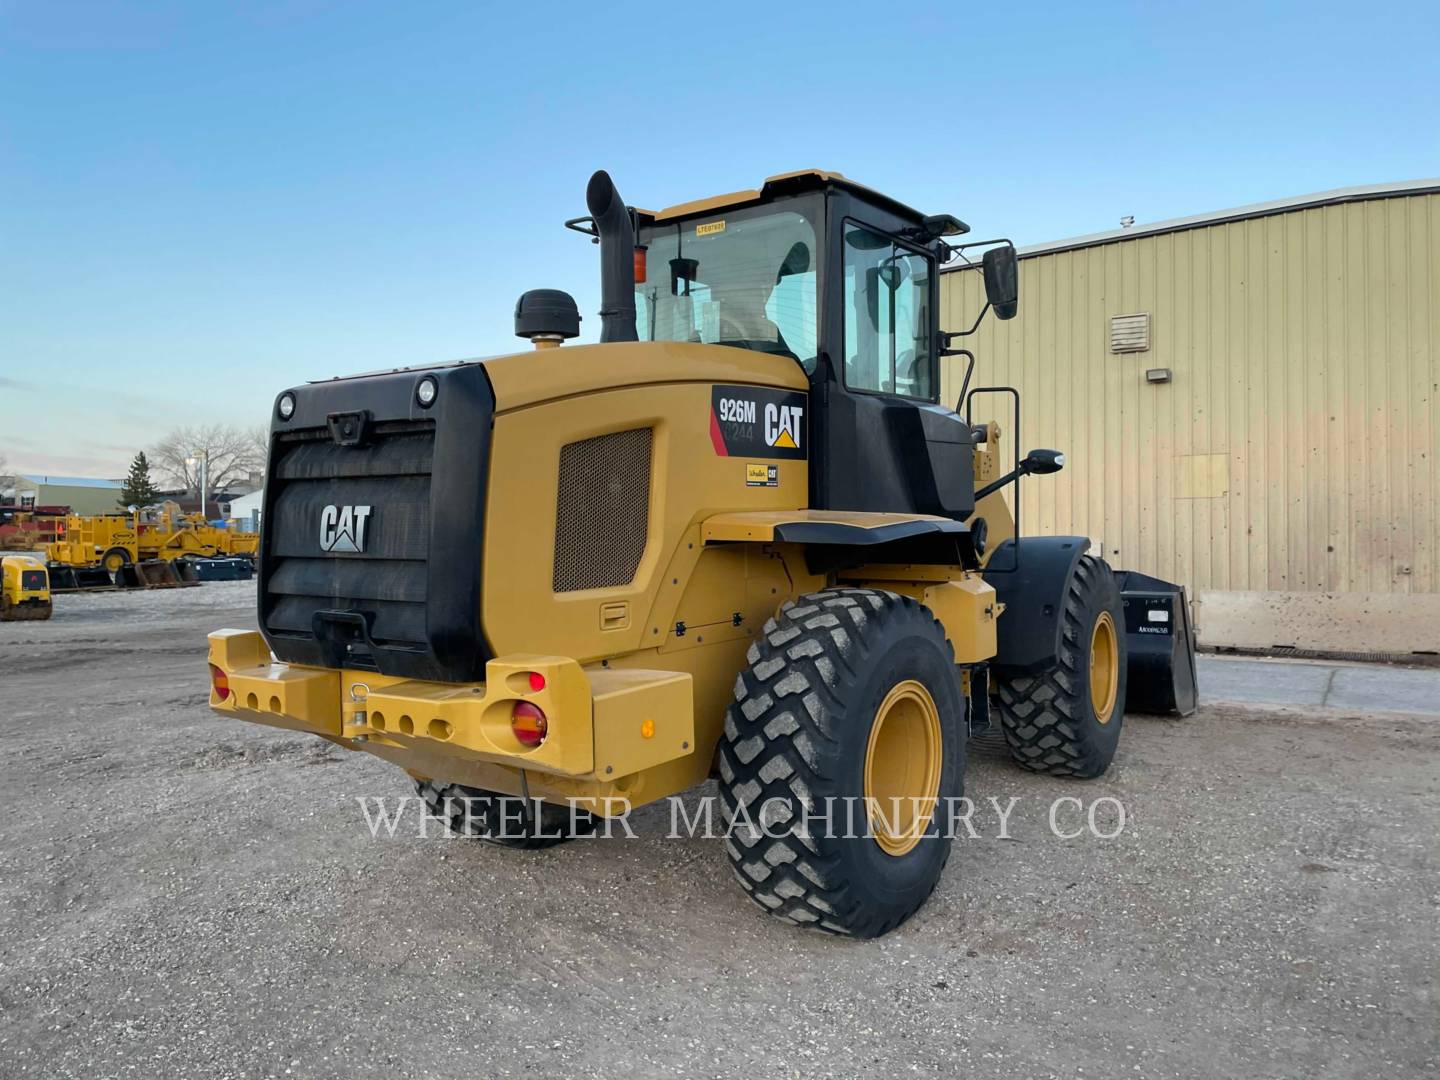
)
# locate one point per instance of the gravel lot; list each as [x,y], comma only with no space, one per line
[185,896]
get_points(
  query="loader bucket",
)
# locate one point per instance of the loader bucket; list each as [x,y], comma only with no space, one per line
[1160,644]
[62,578]
[156,573]
[185,570]
[91,577]
[128,577]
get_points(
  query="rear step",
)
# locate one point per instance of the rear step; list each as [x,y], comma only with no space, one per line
[1160,644]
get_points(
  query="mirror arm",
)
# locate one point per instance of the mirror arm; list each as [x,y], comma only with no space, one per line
[1024,468]
[1041,462]
[946,338]
[994,486]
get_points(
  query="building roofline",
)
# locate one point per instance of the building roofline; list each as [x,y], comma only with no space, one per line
[70,481]
[1361,193]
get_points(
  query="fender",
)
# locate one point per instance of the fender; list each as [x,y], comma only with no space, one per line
[1029,630]
[837,539]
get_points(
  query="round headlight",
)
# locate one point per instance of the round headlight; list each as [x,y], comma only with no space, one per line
[426,391]
[286,407]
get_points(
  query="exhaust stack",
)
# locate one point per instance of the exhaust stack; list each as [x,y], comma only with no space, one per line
[617,258]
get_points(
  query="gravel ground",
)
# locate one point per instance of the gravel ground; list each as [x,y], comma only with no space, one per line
[186,896]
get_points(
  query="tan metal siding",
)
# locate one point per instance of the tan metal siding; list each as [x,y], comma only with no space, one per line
[1305,351]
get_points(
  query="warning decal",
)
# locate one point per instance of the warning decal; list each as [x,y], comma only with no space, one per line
[753,421]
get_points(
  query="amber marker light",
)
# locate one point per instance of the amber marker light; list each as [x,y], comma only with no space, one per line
[528,723]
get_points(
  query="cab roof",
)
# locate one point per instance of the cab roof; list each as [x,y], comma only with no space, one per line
[781,184]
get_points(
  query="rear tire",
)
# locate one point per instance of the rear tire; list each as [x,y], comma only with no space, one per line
[115,560]
[500,819]
[849,693]
[1066,722]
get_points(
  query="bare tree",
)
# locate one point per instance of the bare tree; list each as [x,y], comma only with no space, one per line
[234,453]
[6,478]
[260,444]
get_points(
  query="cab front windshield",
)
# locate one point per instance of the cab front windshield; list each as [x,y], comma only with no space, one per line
[742,278]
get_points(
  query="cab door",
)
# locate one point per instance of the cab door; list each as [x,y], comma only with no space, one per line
[886,444]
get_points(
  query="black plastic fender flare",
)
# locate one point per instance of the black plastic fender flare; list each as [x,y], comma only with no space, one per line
[1028,632]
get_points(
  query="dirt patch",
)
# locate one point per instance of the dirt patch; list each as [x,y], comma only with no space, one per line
[180,895]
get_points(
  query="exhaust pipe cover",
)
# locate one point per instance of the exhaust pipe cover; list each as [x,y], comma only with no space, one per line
[617,258]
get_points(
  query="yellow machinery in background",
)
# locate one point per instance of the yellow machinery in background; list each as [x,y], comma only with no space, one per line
[24,588]
[134,548]
[740,538]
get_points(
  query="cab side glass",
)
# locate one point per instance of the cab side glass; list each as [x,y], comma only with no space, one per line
[887,316]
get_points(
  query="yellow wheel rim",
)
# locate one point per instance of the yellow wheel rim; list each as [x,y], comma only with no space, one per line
[1104,667]
[902,767]
[114,562]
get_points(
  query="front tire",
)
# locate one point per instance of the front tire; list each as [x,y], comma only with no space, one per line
[851,702]
[1066,722]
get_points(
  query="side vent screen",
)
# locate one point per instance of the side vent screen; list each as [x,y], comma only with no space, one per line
[1129,333]
[603,510]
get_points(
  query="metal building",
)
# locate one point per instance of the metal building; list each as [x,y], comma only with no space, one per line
[1248,404]
[83,494]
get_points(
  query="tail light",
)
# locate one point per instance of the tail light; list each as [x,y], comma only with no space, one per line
[220,682]
[528,723]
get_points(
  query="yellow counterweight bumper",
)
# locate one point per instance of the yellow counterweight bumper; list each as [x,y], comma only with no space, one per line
[601,723]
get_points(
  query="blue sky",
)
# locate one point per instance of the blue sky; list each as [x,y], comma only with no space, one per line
[201,203]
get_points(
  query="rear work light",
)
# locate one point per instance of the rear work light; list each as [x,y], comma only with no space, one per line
[528,723]
[220,682]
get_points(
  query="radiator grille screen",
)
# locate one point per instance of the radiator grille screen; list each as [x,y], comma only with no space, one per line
[603,510]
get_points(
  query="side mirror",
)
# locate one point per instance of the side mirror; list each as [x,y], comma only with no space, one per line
[1002,281]
[1040,462]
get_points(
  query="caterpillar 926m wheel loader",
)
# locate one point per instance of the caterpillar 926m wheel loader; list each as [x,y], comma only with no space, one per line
[740,537]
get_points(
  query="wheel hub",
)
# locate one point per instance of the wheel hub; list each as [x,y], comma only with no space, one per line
[1104,667]
[902,767]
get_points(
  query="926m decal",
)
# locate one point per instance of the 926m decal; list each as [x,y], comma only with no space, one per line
[754,421]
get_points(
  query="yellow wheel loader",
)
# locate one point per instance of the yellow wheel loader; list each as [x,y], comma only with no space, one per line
[741,537]
[24,588]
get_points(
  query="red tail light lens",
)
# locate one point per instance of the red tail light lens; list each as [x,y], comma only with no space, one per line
[537,681]
[528,723]
[220,682]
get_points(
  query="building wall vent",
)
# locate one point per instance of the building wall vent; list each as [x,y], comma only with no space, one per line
[1130,333]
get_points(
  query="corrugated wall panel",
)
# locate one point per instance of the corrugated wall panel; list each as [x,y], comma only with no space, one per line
[1295,447]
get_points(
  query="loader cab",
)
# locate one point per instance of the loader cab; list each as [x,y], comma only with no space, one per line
[822,272]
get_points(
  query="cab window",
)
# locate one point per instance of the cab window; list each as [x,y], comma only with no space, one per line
[745,278]
[887,316]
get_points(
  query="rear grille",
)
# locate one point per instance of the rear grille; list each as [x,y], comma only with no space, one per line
[603,510]
[372,539]
[386,580]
